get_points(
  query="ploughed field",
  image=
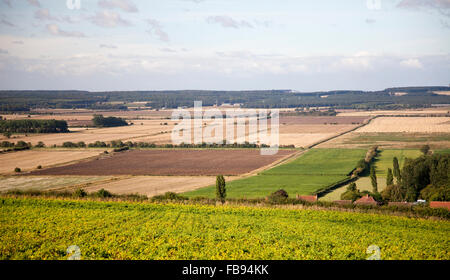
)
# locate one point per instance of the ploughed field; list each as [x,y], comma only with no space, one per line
[170,162]
[44,229]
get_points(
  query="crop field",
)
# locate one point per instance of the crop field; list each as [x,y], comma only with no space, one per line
[408,125]
[45,183]
[390,140]
[44,229]
[29,160]
[171,162]
[316,169]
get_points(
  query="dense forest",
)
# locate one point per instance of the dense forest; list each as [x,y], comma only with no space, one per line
[411,97]
[33,126]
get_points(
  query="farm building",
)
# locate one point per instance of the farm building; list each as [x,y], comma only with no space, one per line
[440,204]
[366,200]
[309,198]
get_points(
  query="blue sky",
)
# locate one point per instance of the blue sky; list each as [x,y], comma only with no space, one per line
[223,44]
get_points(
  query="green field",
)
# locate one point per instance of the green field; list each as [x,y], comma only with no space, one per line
[44,229]
[316,169]
[385,159]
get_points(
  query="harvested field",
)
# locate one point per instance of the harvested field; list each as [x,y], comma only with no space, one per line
[442,93]
[171,162]
[154,127]
[45,183]
[408,125]
[427,111]
[155,185]
[29,160]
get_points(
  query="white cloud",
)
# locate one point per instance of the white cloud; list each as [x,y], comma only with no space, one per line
[228,22]
[442,6]
[106,46]
[109,19]
[34,3]
[44,14]
[54,30]
[125,5]
[157,30]
[6,22]
[7,3]
[412,63]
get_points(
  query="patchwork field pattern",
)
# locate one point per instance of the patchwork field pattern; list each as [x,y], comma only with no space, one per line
[44,229]
[316,169]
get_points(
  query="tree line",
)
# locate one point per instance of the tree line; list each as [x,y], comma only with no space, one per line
[385,99]
[33,126]
[426,177]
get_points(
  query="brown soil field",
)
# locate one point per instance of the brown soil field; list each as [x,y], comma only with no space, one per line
[29,160]
[322,120]
[170,162]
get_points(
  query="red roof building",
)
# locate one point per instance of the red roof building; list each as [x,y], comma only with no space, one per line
[440,204]
[309,198]
[366,200]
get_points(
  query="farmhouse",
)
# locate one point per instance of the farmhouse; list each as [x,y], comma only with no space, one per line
[366,200]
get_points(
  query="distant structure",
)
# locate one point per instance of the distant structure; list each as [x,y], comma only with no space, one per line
[366,200]
[309,198]
[440,204]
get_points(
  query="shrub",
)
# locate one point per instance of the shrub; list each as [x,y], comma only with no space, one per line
[169,196]
[39,167]
[80,193]
[103,193]
[17,170]
[278,197]
[40,144]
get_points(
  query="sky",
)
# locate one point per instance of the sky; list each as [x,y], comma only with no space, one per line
[114,45]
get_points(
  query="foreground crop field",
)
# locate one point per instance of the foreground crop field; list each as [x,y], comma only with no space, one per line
[171,162]
[316,169]
[44,229]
